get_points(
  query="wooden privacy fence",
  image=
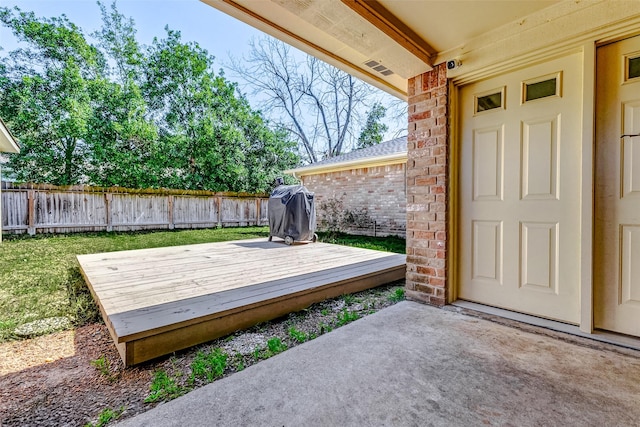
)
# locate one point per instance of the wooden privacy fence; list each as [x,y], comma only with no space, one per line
[42,208]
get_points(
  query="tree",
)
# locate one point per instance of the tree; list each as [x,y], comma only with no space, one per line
[209,136]
[315,102]
[374,129]
[44,95]
[122,138]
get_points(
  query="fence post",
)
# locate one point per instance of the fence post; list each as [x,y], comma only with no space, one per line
[219,199]
[171,224]
[107,204]
[31,226]
[258,211]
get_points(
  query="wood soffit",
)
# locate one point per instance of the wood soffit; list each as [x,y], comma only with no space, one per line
[385,21]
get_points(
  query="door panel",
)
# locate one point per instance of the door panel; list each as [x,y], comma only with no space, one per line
[519,193]
[617,191]
[631,150]
[539,271]
[487,164]
[487,251]
[540,159]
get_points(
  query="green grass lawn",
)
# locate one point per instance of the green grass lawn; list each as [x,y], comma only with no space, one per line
[41,276]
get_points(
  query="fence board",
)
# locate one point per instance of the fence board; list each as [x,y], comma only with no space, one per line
[14,211]
[238,212]
[190,212]
[82,208]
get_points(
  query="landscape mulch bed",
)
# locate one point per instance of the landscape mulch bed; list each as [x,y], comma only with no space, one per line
[53,380]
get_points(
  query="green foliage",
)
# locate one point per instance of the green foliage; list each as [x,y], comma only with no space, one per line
[397,295]
[346,316]
[300,336]
[324,328]
[348,299]
[238,362]
[374,128]
[163,387]
[106,416]
[208,366]
[274,346]
[115,114]
[104,367]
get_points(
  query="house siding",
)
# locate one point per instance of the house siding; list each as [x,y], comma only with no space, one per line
[428,187]
[380,191]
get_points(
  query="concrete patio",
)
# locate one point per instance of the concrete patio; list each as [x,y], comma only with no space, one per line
[414,365]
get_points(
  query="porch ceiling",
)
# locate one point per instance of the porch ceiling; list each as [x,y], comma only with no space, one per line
[406,37]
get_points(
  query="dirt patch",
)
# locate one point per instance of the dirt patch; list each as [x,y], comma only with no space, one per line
[17,356]
[53,381]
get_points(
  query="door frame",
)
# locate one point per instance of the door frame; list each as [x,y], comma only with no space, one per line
[588,49]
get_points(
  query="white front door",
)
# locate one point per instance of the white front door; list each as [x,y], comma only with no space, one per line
[617,188]
[519,176]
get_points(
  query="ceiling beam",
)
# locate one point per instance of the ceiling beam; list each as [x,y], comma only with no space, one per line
[376,14]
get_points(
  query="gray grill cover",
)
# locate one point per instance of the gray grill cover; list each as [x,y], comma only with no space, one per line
[292,212]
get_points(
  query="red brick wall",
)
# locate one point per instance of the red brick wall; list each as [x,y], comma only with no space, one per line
[381,190]
[427,187]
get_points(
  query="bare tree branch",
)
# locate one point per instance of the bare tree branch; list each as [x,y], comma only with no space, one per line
[321,106]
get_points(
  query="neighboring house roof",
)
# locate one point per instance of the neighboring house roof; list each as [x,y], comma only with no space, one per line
[385,153]
[8,143]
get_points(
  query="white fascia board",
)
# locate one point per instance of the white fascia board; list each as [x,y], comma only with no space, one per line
[8,143]
[389,159]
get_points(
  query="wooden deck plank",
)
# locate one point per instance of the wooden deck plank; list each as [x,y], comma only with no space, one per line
[155,301]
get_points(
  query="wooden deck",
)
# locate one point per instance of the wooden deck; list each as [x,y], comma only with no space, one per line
[157,301]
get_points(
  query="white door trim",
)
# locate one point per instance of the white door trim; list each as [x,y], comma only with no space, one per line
[587,207]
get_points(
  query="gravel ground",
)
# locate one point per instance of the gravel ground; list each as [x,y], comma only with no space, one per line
[71,378]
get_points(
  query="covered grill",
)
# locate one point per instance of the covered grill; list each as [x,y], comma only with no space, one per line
[292,214]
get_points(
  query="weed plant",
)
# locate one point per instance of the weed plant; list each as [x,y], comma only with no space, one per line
[238,362]
[346,316]
[163,387]
[348,299]
[300,336]
[106,416]
[397,295]
[104,367]
[208,366]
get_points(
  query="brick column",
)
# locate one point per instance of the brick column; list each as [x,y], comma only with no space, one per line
[427,187]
